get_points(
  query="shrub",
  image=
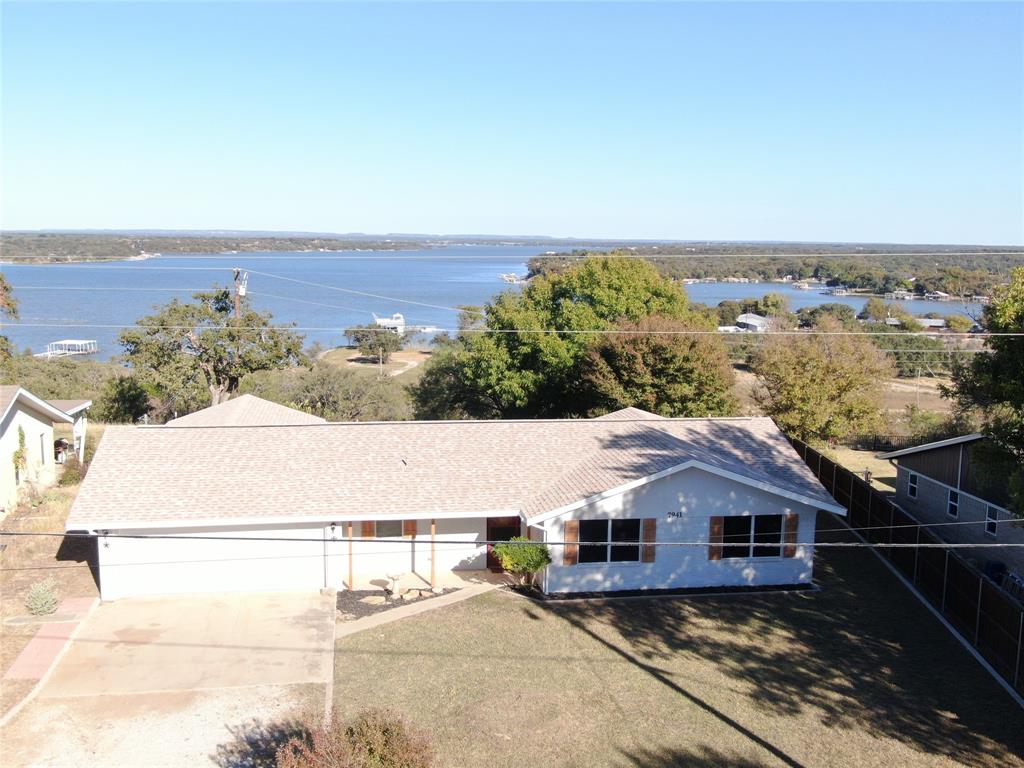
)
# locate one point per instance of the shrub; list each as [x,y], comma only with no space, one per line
[73,472]
[41,599]
[523,558]
[374,738]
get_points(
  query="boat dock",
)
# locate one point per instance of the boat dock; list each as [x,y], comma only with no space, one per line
[69,347]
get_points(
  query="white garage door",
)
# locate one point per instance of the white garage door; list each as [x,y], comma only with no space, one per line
[209,560]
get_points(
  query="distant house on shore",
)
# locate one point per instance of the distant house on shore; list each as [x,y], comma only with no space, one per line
[748,321]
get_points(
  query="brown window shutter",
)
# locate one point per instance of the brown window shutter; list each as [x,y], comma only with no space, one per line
[790,525]
[650,535]
[367,529]
[715,537]
[571,551]
[409,529]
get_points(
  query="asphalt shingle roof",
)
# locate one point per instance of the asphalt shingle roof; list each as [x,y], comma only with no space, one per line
[245,411]
[174,475]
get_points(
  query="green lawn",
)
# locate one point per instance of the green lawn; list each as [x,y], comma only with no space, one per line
[810,679]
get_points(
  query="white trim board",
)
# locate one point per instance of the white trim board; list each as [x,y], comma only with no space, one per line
[809,501]
[931,446]
[272,522]
[37,404]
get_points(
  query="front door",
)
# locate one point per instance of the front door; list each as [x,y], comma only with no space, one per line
[500,529]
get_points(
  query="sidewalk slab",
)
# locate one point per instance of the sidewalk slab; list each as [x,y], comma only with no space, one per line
[36,657]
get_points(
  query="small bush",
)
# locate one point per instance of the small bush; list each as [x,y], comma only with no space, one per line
[73,473]
[523,558]
[374,738]
[41,599]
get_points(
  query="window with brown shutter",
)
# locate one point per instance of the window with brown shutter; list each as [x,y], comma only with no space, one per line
[792,523]
[571,550]
[650,535]
[409,529]
[366,529]
[715,537]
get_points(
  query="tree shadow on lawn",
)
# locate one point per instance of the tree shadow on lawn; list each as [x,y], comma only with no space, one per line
[862,653]
[701,757]
[255,743]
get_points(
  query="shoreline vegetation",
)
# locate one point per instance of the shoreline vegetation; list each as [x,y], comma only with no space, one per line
[766,261]
[960,271]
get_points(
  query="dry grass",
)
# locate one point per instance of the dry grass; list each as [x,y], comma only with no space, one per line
[28,559]
[899,393]
[827,678]
[883,474]
[405,366]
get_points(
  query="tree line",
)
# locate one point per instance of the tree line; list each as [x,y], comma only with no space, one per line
[880,273]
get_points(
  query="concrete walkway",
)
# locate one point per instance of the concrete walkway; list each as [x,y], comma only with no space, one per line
[344,629]
[38,656]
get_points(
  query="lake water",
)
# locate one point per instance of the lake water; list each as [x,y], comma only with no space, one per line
[94,301]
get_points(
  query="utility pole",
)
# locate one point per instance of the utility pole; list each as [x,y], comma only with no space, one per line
[241,282]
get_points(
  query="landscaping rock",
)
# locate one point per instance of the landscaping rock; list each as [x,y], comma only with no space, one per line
[373,600]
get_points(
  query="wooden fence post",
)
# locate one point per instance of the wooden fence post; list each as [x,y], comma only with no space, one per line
[977,619]
[1020,651]
[945,578]
[917,553]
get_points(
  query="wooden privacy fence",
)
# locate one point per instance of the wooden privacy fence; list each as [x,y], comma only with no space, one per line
[983,613]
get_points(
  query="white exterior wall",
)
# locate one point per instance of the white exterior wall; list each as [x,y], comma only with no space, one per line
[698,496]
[192,564]
[40,468]
[130,567]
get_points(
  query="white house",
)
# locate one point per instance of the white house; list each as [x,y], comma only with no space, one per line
[78,410]
[748,321]
[628,501]
[26,429]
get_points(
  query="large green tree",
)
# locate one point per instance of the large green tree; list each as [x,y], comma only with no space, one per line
[993,386]
[821,387]
[375,341]
[653,364]
[185,348]
[523,358]
[9,309]
[333,392]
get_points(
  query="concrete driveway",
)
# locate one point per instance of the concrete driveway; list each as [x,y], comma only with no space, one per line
[177,681]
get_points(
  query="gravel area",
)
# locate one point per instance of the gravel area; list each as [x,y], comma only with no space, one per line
[354,604]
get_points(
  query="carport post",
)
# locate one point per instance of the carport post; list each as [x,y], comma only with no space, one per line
[351,582]
[433,558]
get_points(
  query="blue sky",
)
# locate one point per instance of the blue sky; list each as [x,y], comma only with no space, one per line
[768,121]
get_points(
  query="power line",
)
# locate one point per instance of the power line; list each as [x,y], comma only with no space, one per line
[739,336]
[362,293]
[584,252]
[417,539]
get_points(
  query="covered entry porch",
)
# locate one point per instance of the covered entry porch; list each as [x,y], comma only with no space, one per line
[415,553]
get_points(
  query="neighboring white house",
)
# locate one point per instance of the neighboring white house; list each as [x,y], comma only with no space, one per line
[748,321]
[26,425]
[628,501]
[77,410]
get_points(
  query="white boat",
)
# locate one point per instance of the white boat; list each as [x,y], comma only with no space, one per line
[512,278]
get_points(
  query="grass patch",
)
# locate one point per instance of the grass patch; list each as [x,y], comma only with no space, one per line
[405,366]
[856,674]
[71,562]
